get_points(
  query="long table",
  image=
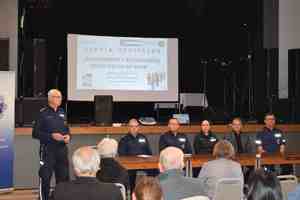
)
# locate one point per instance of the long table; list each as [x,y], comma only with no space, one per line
[134,162]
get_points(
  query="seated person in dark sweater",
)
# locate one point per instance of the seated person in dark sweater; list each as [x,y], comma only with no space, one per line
[110,170]
[205,141]
[86,163]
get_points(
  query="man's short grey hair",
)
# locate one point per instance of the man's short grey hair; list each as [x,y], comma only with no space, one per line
[52,91]
[107,148]
[171,158]
[86,160]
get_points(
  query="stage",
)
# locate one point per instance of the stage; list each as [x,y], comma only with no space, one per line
[81,129]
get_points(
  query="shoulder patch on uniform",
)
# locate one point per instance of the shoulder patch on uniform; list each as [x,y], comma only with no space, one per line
[43,109]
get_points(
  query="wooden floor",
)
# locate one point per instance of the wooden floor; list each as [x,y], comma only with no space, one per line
[20,195]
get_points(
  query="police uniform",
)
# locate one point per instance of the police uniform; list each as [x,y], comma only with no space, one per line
[53,154]
[179,140]
[205,143]
[131,145]
[270,140]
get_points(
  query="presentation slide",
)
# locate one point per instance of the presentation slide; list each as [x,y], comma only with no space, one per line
[129,69]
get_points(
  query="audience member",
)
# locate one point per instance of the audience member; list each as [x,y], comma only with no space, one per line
[222,167]
[86,163]
[111,171]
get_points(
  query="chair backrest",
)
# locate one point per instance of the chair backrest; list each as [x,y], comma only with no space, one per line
[122,189]
[229,188]
[288,184]
[196,198]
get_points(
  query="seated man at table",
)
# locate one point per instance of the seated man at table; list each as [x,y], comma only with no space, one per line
[111,171]
[222,167]
[134,143]
[174,138]
[175,185]
[86,163]
[240,141]
[271,140]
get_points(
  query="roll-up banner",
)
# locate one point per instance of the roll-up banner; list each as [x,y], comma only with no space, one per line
[7,129]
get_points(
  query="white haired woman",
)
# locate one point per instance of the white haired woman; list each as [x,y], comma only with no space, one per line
[111,171]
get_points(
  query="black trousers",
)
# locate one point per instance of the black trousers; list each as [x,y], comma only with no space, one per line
[54,158]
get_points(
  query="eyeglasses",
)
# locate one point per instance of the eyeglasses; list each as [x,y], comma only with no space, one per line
[57,97]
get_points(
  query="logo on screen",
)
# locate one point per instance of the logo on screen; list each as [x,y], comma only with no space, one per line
[3,106]
[161,43]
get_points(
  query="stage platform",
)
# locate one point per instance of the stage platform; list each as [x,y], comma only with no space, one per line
[81,129]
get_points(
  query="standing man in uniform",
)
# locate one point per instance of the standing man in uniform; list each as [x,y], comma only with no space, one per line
[174,138]
[51,130]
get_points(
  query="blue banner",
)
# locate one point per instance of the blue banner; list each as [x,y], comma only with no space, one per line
[7,124]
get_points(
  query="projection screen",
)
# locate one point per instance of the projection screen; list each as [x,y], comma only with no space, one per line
[130,69]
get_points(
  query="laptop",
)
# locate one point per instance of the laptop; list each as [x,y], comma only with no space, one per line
[182,118]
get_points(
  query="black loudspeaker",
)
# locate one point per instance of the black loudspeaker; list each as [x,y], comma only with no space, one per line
[4,54]
[35,67]
[103,109]
[31,108]
[27,110]
[294,84]
[39,67]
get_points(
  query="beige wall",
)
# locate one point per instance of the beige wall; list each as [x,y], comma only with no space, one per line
[289,37]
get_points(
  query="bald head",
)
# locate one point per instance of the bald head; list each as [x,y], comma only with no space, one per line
[133,126]
[86,162]
[171,158]
[54,98]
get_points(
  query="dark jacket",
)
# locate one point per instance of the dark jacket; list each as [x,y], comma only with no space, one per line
[86,188]
[50,121]
[246,145]
[271,139]
[112,172]
[131,145]
[180,141]
[204,144]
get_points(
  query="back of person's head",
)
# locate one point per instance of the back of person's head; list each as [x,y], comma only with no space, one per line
[224,149]
[147,188]
[107,148]
[171,158]
[86,161]
[264,186]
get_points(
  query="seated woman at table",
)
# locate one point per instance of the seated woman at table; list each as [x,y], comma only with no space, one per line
[111,171]
[264,185]
[206,140]
[222,167]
